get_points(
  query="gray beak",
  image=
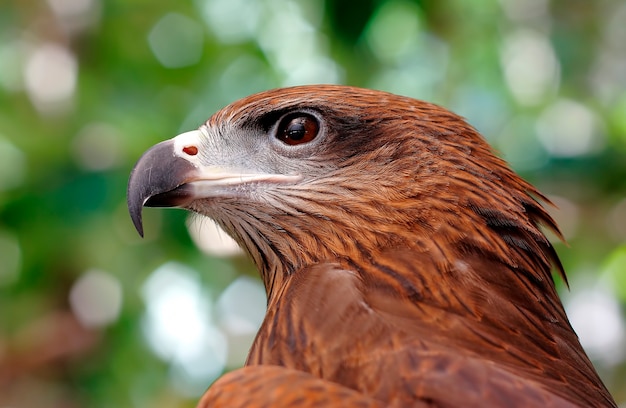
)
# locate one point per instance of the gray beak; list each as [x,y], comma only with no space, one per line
[158,180]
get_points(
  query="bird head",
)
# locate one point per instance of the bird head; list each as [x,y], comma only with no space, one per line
[322,173]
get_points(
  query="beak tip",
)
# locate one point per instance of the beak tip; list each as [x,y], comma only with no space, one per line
[138,227]
[134,202]
[135,216]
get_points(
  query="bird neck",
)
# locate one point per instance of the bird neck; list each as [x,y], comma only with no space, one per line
[339,230]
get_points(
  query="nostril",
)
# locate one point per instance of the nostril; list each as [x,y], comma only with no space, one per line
[190,150]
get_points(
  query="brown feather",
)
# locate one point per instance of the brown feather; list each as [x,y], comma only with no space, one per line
[408,264]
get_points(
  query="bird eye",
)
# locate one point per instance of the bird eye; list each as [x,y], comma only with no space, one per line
[295,130]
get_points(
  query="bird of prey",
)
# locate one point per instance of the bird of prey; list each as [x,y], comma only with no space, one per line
[403,261]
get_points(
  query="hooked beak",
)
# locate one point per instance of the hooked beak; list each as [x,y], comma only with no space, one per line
[171,174]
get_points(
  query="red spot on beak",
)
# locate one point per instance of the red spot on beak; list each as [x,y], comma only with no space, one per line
[190,150]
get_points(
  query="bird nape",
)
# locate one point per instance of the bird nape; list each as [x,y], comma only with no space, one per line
[403,261]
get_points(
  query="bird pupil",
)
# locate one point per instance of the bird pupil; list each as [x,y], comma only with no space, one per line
[296,130]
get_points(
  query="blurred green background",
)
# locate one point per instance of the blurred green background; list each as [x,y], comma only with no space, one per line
[93,316]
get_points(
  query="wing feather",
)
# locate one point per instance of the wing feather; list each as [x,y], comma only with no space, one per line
[397,340]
